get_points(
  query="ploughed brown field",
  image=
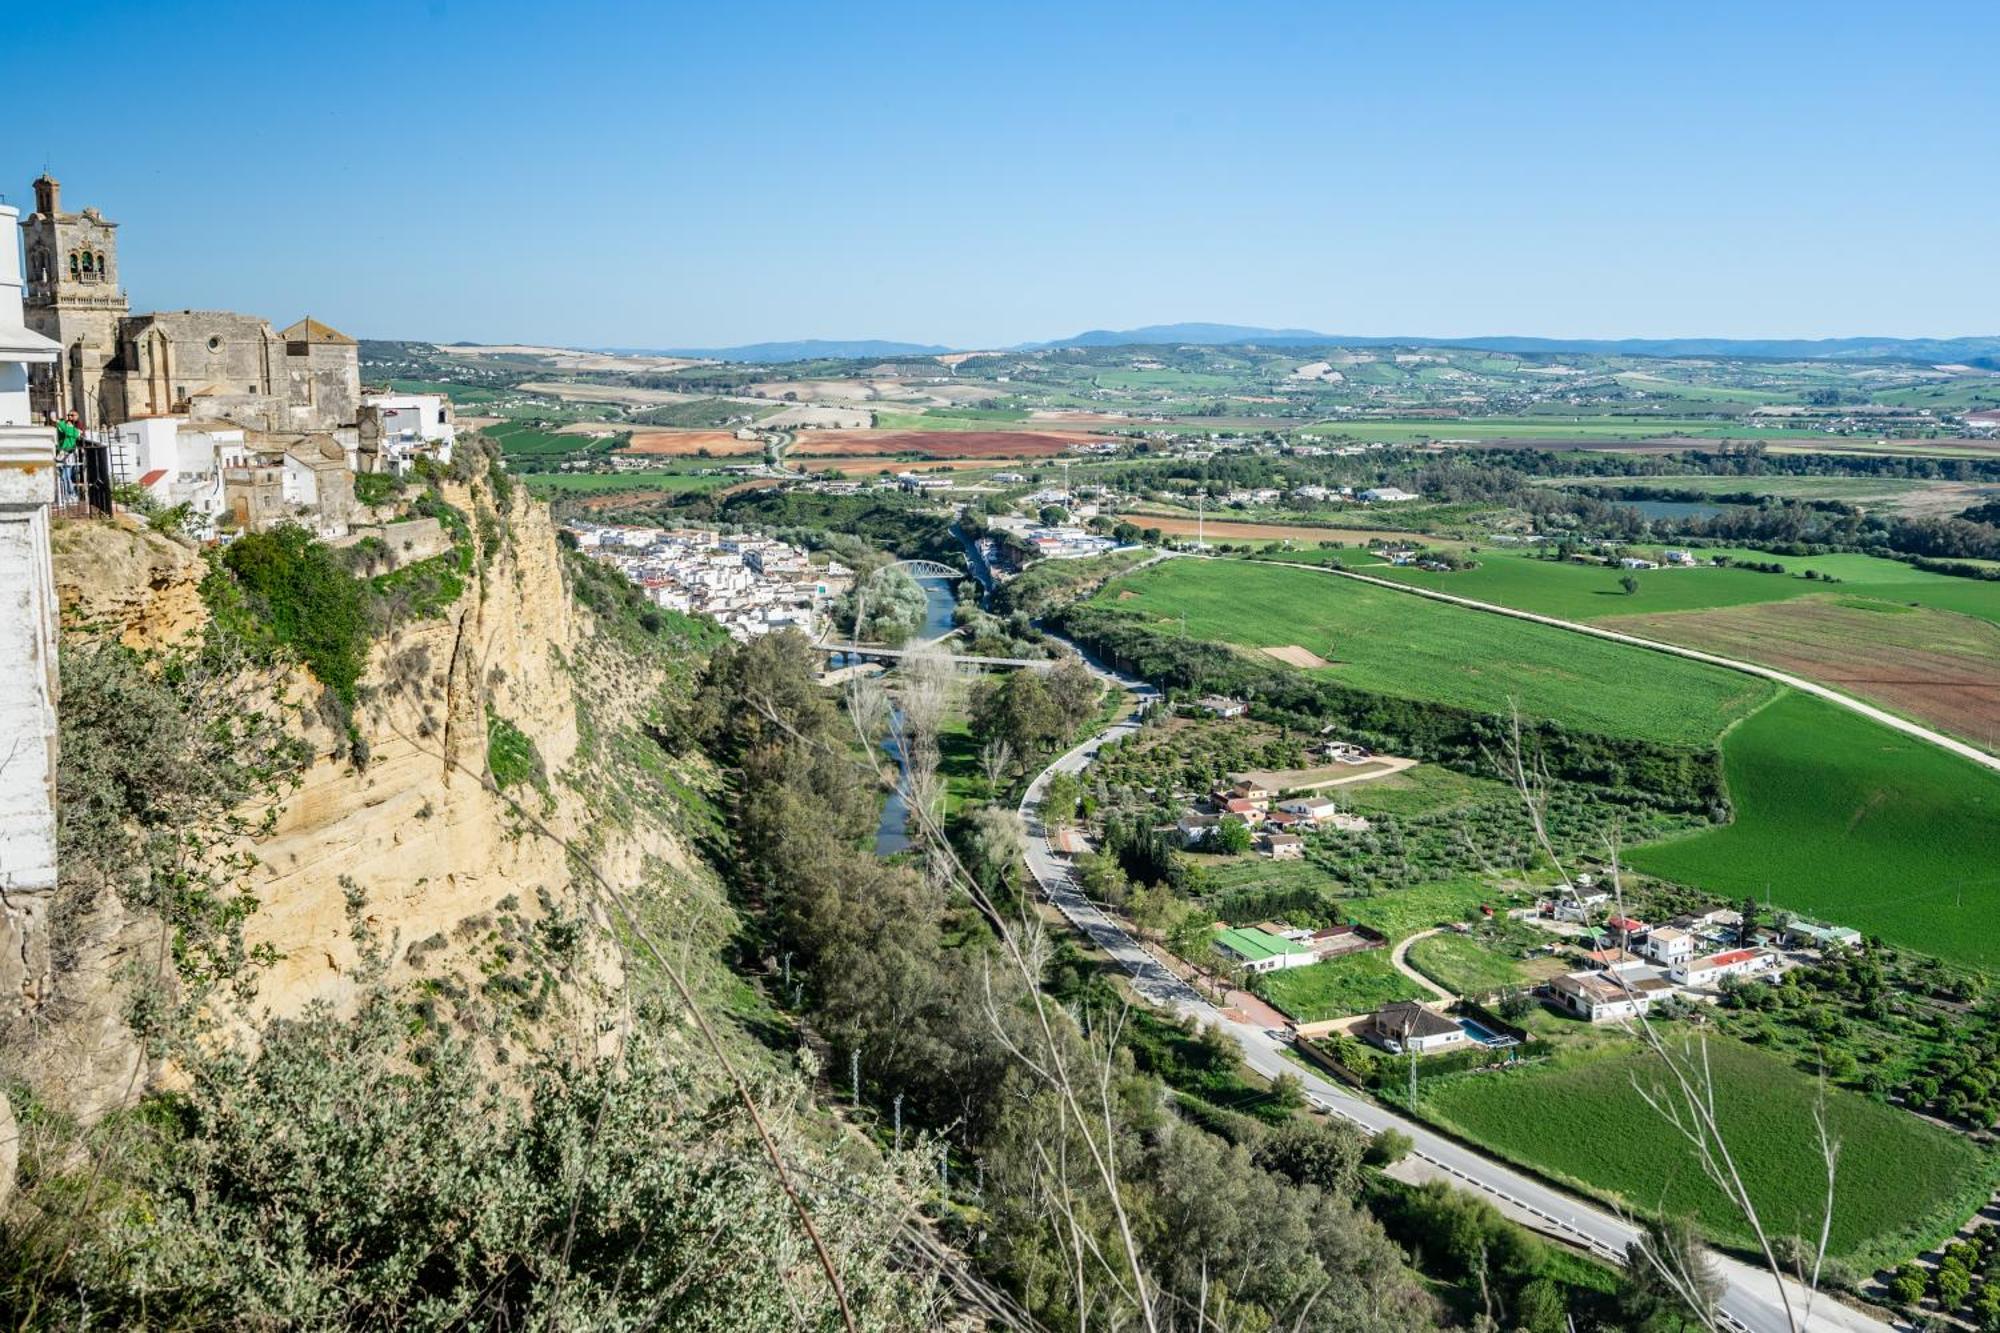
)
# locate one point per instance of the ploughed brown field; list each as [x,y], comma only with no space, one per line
[685,443]
[984,444]
[1938,667]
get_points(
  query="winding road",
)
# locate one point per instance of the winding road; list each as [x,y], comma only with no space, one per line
[1751,1300]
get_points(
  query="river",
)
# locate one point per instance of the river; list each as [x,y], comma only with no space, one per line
[892,833]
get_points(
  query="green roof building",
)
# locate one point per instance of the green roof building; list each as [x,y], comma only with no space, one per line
[1260,950]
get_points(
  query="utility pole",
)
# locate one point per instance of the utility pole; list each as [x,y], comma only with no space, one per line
[854,1074]
[899,1121]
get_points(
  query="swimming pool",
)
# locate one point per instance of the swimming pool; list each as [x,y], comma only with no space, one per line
[1484,1035]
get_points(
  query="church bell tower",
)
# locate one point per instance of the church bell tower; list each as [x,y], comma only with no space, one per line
[72,297]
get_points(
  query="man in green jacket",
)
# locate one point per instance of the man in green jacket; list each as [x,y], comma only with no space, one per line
[69,434]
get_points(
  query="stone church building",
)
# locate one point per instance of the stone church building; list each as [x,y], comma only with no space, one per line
[202,364]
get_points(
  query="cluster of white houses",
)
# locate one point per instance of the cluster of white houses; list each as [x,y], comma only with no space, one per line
[1279,823]
[751,585]
[1636,963]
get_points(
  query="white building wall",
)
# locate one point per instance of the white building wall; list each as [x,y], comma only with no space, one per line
[27,648]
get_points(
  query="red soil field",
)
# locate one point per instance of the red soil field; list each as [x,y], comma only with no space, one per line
[682,443]
[937,443]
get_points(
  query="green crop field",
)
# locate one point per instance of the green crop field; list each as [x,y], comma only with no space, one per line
[518,439]
[1902,1183]
[1358,983]
[545,484]
[1391,643]
[1851,490]
[1849,821]
[1591,592]
[1607,430]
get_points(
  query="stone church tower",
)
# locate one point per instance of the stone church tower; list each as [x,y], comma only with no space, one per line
[72,297]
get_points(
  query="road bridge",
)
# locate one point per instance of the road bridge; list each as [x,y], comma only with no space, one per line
[892,654]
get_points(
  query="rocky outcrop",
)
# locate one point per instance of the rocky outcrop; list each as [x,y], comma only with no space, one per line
[125,580]
[396,859]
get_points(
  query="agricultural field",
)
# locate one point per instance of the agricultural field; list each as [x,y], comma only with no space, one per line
[1899,494]
[691,443]
[1427,789]
[1606,432]
[1845,820]
[1465,966]
[521,439]
[1355,983]
[652,481]
[1939,667]
[1592,592]
[1383,641]
[948,444]
[1902,1183]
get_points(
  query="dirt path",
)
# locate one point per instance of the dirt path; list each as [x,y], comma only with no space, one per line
[1812,687]
[1399,958]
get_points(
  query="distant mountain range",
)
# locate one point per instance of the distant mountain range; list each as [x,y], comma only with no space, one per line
[1981,351]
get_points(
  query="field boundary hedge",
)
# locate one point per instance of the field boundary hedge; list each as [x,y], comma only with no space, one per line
[1623,768]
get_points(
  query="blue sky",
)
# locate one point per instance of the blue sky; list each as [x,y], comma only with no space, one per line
[674,175]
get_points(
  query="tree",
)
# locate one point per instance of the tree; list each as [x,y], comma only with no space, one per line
[1389,1147]
[1539,1307]
[1746,929]
[1325,1153]
[1629,584]
[1059,800]
[1232,837]
[1954,1284]
[1075,692]
[1667,1270]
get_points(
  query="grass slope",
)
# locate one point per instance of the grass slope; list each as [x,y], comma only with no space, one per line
[1394,644]
[1358,983]
[1901,1181]
[1846,820]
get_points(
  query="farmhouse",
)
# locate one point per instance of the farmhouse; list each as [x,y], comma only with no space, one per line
[1802,934]
[1388,495]
[1309,807]
[1624,930]
[1635,562]
[1668,945]
[1408,1026]
[1221,705]
[1260,951]
[1195,828]
[1709,972]
[1680,558]
[1250,812]
[1580,904]
[1604,997]
[1251,790]
[1284,846]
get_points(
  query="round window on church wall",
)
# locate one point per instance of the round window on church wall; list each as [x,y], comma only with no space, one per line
[214,343]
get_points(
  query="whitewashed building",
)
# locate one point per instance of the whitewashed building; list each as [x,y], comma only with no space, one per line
[27,646]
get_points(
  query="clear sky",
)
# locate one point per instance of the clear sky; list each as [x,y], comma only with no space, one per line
[691,175]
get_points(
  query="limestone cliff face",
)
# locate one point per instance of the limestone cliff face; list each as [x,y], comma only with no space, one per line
[398,859]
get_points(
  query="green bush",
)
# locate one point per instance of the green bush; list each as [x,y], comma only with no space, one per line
[288,590]
[511,756]
[374,488]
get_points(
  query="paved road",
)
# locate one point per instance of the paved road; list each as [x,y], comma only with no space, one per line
[1751,1301]
[1813,687]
